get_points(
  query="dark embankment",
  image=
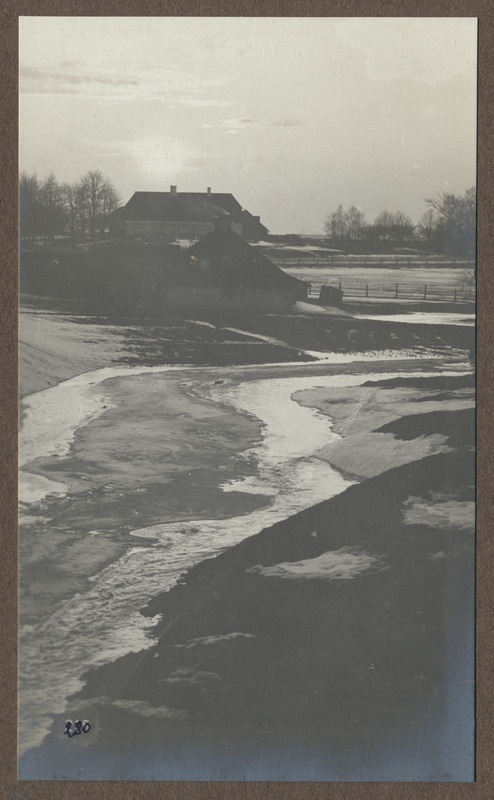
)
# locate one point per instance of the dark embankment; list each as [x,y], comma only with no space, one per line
[333,645]
[111,273]
[466,381]
[415,425]
[348,333]
[220,271]
[158,282]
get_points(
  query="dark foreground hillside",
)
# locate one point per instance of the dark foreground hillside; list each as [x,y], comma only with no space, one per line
[337,644]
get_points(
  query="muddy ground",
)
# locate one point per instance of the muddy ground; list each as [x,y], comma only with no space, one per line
[336,644]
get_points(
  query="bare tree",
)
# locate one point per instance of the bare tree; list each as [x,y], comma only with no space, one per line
[392,226]
[335,225]
[29,188]
[355,223]
[110,202]
[29,206]
[41,208]
[50,197]
[50,194]
[48,208]
[71,199]
[456,216]
[403,225]
[98,200]
[427,226]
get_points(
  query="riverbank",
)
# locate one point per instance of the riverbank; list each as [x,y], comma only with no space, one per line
[59,340]
[159,467]
[336,645]
[63,338]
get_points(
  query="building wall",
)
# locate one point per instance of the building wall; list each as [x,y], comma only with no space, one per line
[181,230]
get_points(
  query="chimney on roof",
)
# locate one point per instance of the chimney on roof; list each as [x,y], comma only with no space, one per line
[173,190]
[209,190]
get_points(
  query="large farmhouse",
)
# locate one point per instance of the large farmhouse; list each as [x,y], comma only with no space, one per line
[183,215]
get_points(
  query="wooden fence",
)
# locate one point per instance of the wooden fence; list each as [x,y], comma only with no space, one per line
[387,262]
[401,291]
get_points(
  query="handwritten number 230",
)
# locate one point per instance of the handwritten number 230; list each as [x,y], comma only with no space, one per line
[80,726]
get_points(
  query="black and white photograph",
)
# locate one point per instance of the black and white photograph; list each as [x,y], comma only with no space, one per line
[247,355]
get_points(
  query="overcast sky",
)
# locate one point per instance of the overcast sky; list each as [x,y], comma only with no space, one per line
[292,116]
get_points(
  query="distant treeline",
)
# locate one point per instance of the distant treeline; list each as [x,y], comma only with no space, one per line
[448,225]
[81,210]
[49,209]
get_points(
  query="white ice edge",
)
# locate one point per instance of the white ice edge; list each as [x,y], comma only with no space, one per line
[102,623]
[424,318]
[52,416]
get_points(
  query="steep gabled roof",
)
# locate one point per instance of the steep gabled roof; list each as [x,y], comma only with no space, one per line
[250,219]
[231,260]
[179,206]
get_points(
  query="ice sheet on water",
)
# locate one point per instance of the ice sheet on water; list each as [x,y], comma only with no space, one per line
[103,622]
[250,485]
[33,488]
[423,318]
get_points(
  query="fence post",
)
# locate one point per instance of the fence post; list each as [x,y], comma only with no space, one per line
[396,291]
[425,292]
[454,296]
[339,286]
[367,290]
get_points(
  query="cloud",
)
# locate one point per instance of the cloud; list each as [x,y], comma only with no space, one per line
[155,158]
[251,123]
[73,78]
[49,81]
[286,123]
[427,49]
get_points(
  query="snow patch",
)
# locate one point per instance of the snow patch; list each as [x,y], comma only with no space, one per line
[342,564]
[450,514]
[328,311]
[205,640]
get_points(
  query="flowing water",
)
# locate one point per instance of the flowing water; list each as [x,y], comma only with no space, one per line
[103,622]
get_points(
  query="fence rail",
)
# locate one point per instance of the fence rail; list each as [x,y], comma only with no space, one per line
[369,262]
[401,291]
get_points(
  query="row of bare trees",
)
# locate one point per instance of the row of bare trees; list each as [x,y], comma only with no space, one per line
[447,225]
[49,209]
[351,225]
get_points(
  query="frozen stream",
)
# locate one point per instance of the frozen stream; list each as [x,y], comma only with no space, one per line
[102,623]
